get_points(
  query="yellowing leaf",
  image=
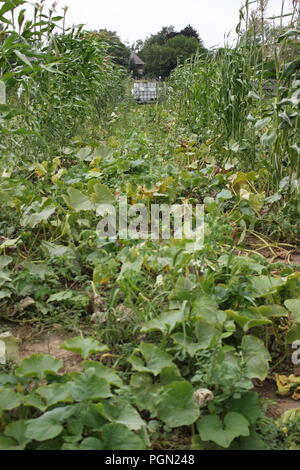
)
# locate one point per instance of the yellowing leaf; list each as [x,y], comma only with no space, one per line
[58,175]
[56,162]
[41,169]
[286,383]
[256,201]
[95,162]
[245,194]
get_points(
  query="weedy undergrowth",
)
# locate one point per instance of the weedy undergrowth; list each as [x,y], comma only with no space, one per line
[172,324]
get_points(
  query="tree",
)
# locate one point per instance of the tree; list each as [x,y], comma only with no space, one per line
[160,60]
[190,32]
[183,46]
[117,49]
[137,46]
[164,50]
[161,37]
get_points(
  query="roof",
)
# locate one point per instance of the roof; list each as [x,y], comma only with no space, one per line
[136,59]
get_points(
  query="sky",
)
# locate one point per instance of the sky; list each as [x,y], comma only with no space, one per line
[137,19]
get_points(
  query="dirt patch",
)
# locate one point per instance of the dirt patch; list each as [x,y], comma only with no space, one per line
[47,343]
[281,405]
[295,258]
[273,252]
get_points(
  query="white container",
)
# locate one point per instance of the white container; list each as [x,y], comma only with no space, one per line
[145,92]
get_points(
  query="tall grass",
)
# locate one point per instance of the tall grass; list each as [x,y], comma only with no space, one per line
[58,80]
[227,97]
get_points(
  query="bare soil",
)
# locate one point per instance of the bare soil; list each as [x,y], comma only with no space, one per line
[47,343]
[281,404]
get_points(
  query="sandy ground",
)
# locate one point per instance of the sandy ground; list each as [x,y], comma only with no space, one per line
[49,343]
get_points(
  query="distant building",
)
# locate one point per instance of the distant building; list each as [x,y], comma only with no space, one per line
[137,65]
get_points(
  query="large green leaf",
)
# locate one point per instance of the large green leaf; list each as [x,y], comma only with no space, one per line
[91,443]
[43,429]
[270,311]
[211,428]
[32,220]
[251,442]
[57,251]
[49,425]
[114,437]
[188,345]
[23,58]
[225,194]
[226,372]
[261,123]
[17,430]
[34,401]
[9,399]
[156,359]
[206,309]
[84,346]
[293,305]
[88,417]
[78,201]
[256,357]
[206,333]
[5,293]
[293,335]
[55,393]
[166,322]
[39,366]
[177,406]
[4,277]
[101,195]
[249,406]
[266,285]
[6,443]
[256,201]
[146,394]
[104,372]
[5,261]
[170,374]
[248,319]
[118,410]
[10,5]
[88,386]
[60,296]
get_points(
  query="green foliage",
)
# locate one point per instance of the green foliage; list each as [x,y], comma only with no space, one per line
[211,428]
[65,409]
[170,325]
[229,96]
[164,50]
[62,81]
[119,51]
